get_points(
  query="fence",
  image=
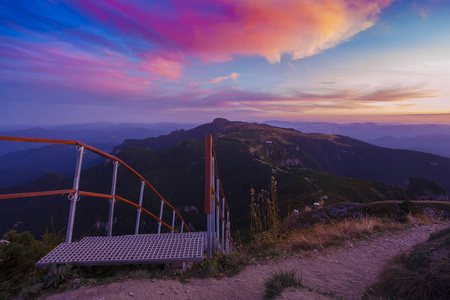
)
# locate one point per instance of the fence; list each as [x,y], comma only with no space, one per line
[216,206]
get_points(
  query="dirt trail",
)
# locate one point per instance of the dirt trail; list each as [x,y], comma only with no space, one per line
[342,272]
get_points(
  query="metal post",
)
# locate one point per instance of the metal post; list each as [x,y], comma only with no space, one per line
[213,211]
[73,205]
[208,235]
[139,211]
[173,222]
[223,224]
[113,200]
[217,227]
[228,232]
[182,225]
[217,201]
[209,169]
[160,216]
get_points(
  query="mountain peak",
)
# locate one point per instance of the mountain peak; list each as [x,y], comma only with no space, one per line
[221,121]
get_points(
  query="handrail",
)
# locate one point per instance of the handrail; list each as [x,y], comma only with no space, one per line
[36,194]
[213,208]
[101,153]
[95,150]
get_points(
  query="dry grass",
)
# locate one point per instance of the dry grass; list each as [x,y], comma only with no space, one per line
[423,219]
[336,233]
[420,273]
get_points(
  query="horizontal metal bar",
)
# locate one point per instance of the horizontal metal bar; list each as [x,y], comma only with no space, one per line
[36,140]
[36,194]
[90,194]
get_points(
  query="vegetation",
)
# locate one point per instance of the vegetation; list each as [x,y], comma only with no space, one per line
[18,254]
[421,188]
[421,273]
[336,233]
[278,281]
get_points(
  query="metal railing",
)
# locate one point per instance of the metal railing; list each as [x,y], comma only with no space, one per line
[216,207]
[75,192]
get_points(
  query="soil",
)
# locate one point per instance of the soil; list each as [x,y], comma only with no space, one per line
[342,272]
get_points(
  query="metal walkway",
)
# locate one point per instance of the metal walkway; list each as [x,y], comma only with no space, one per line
[129,249]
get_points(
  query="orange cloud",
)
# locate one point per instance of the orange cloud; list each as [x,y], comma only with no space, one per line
[271,28]
[233,76]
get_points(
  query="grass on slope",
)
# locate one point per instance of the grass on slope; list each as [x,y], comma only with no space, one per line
[420,273]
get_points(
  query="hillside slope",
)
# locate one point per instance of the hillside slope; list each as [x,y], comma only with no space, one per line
[333,154]
[178,174]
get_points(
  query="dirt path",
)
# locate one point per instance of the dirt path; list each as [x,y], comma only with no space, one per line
[342,272]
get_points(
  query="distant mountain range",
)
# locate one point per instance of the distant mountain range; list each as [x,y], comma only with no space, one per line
[22,162]
[90,133]
[430,138]
[308,167]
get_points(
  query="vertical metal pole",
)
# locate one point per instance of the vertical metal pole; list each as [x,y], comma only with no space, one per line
[173,222]
[182,226]
[213,210]
[217,213]
[217,227]
[113,200]
[208,235]
[139,211]
[208,192]
[160,216]
[228,231]
[223,224]
[73,205]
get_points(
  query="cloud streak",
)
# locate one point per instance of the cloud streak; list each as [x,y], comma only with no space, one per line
[233,76]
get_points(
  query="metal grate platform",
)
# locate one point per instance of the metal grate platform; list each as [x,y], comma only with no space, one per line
[129,249]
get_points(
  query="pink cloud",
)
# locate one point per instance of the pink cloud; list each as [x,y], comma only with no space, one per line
[233,76]
[168,69]
[217,30]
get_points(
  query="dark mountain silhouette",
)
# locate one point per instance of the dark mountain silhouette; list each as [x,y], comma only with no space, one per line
[334,154]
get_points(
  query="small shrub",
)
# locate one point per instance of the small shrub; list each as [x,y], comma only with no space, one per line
[418,258]
[17,261]
[277,282]
[231,264]
[209,268]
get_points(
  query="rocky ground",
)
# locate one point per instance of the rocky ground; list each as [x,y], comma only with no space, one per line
[336,273]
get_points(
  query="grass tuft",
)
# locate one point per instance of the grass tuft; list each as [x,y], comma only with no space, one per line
[277,282]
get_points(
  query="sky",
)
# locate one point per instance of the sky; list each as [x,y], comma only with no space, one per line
[74,61]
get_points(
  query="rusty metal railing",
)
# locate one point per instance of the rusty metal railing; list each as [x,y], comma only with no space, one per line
[216,206]
[75,192]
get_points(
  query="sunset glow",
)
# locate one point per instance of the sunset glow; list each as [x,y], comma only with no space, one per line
[175,60]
